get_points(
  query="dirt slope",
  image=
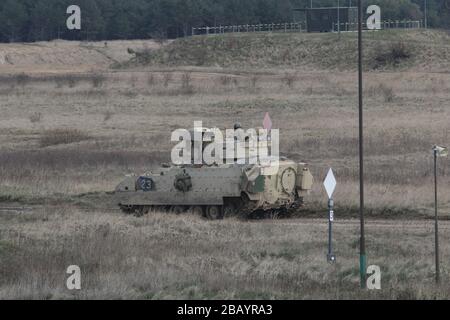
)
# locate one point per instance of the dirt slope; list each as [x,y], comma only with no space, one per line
[66,56]
[425,50]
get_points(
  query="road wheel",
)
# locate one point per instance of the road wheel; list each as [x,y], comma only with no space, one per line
[177,209]
[140,211]
[229,210]
[214,212]
[127,209]
[196,211]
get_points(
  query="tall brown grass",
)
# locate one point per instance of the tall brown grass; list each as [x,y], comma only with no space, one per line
[62,136]
[270,260]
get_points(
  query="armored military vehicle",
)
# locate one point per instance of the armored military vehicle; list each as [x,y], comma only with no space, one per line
[217,190]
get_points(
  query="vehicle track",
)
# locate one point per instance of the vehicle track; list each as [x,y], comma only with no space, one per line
[414,223]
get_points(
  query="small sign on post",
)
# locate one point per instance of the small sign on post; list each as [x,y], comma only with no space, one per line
[330,186]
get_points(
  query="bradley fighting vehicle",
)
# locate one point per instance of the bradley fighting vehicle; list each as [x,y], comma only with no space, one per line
[218,190]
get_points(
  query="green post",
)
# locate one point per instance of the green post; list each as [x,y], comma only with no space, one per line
[362,270]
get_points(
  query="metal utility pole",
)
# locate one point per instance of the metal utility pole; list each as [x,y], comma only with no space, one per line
[436,224]
[425,14]
[362,241]
[339,18]
[437,152]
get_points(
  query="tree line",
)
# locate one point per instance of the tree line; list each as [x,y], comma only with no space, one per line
[41,20]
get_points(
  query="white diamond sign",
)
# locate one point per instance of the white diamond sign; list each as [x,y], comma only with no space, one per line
[330,183]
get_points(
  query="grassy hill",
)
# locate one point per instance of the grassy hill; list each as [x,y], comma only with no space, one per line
[400,49]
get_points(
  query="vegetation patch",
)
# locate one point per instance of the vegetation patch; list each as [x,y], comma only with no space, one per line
[393,55]
[62,136]
[386,49]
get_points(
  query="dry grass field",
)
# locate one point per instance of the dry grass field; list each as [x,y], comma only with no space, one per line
[68,135]
[172,257]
